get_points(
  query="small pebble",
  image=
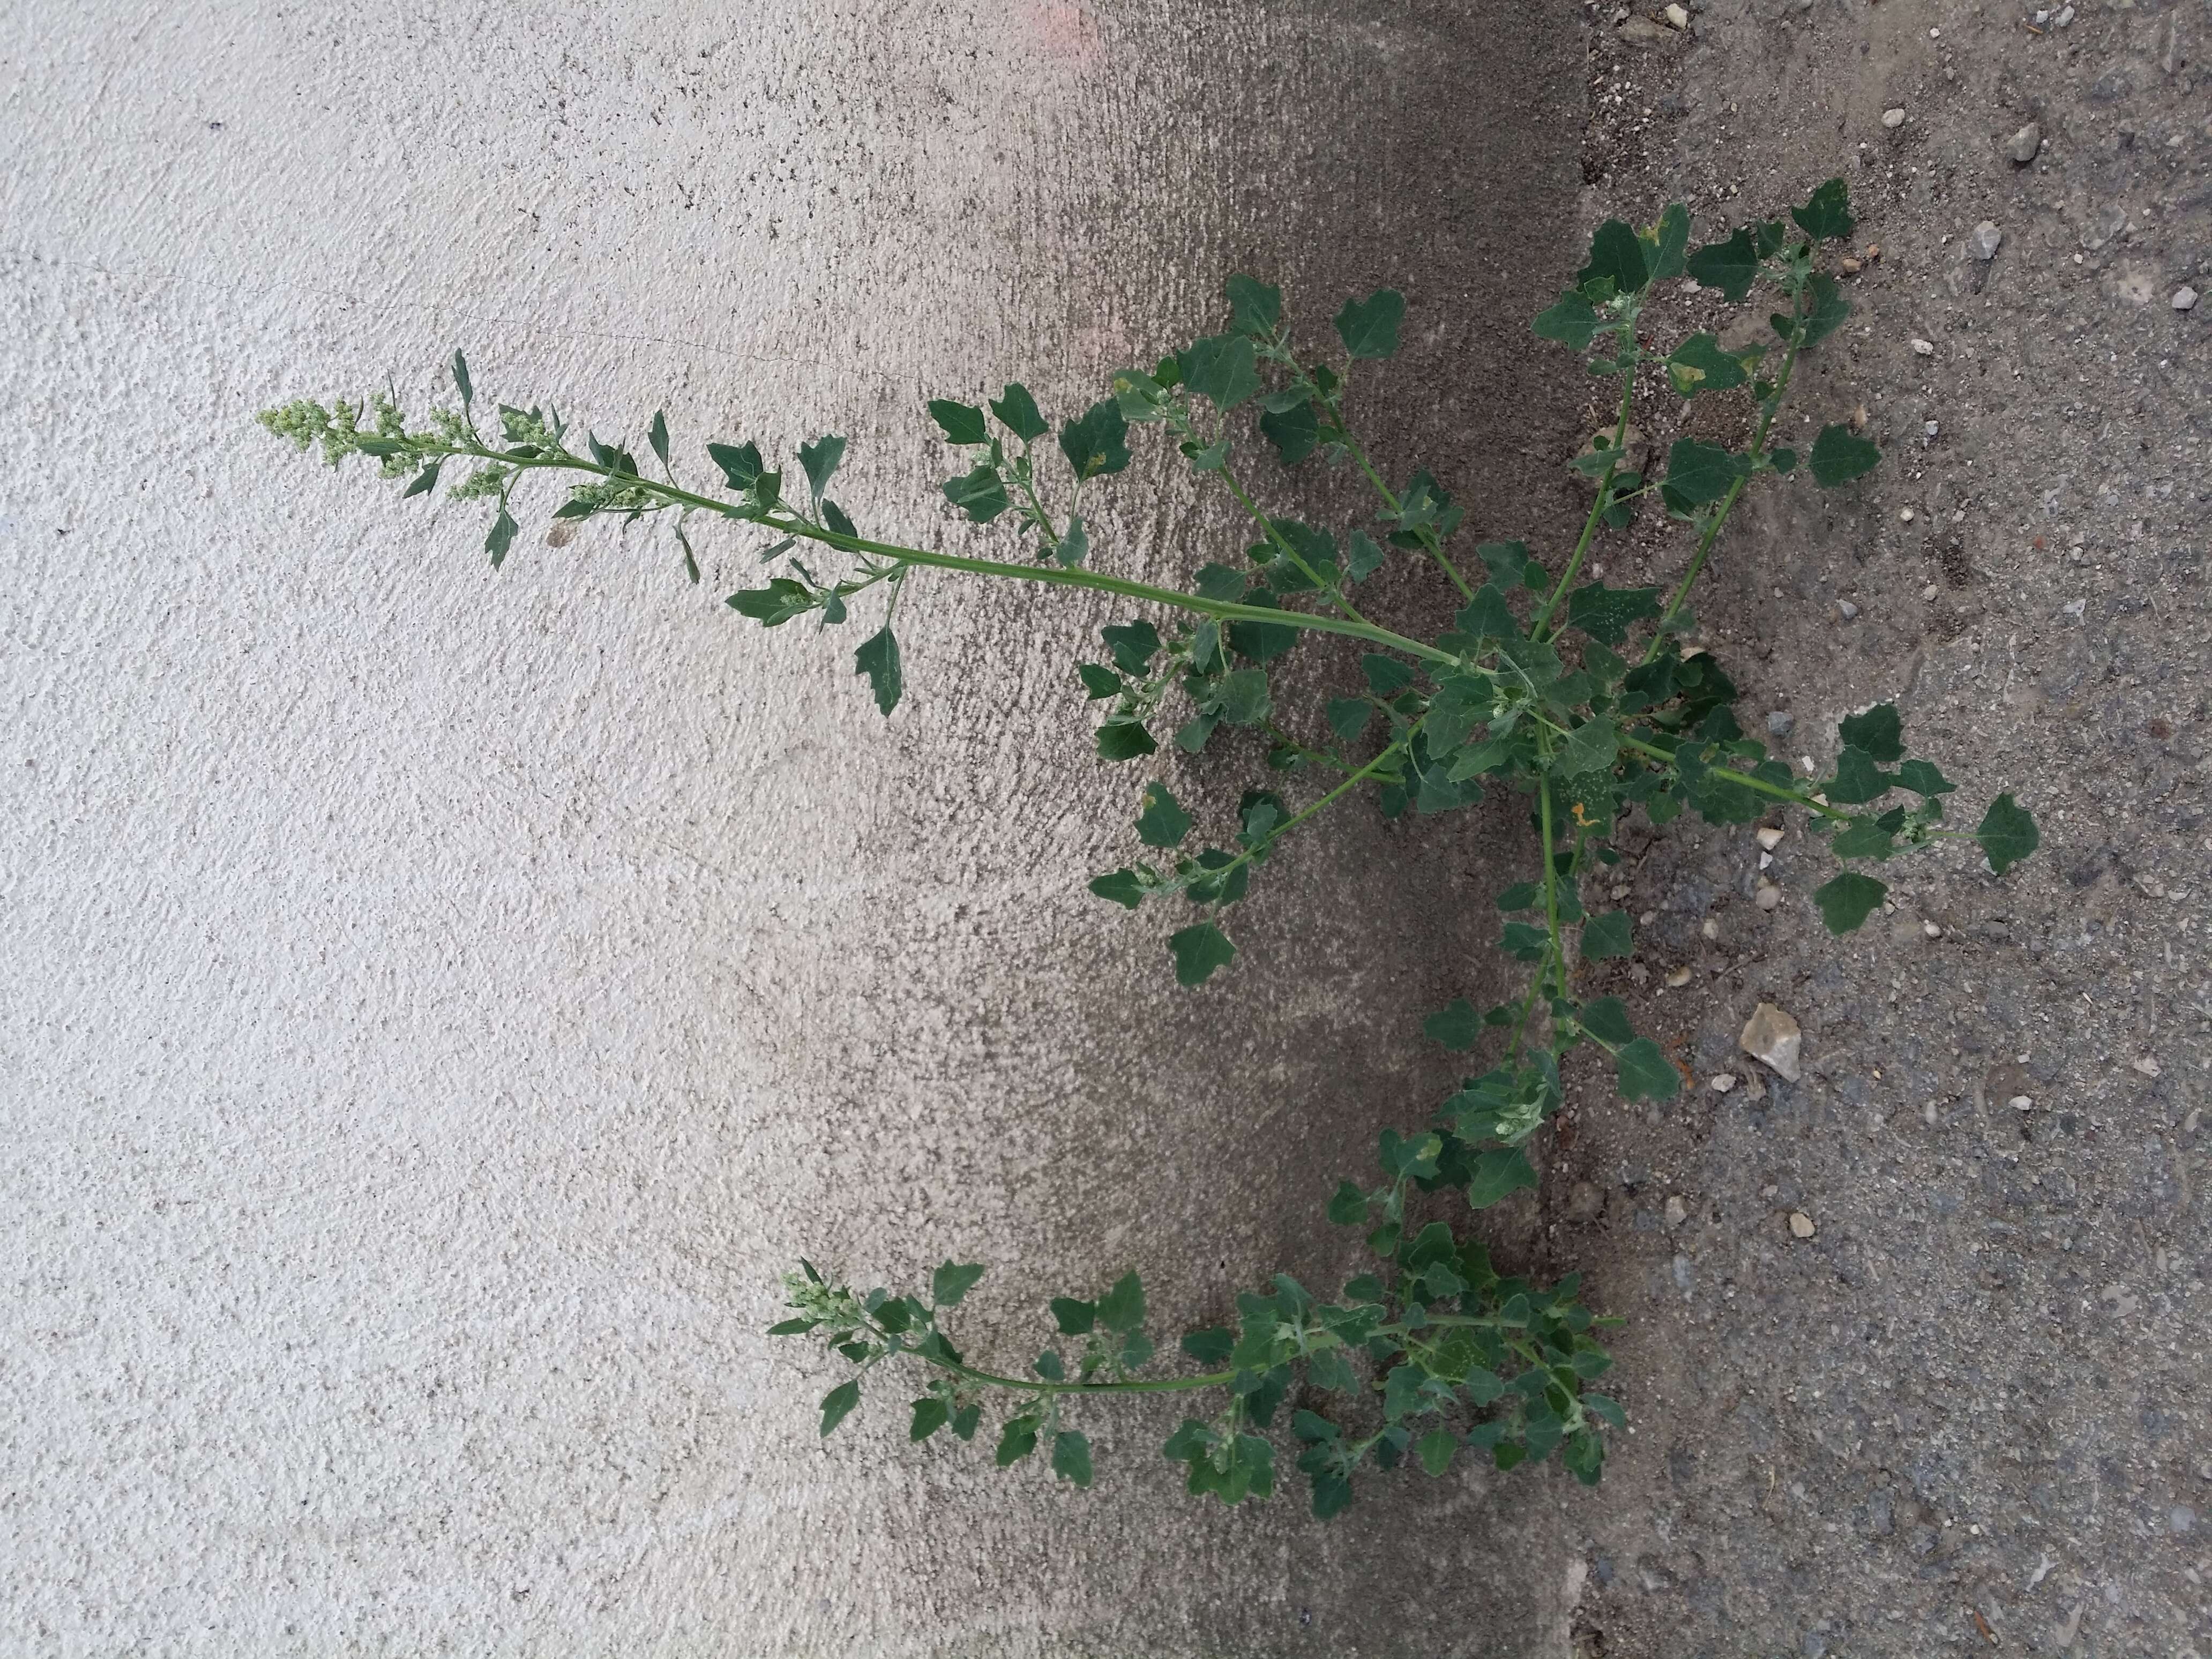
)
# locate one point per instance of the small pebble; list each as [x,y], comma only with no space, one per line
[2065,17]
[2185,298]
[1931,930]
[1923,348]
[1723,1083]
[1929,592]
[1930,429]
[1677,1212]
[2021,1102]
[1774,1038]
[2181,1518]
[1904,515]
[1846,609]
[1677,978]
[2147,1066]
[1768,896]
[2025,143]
[1892,117]
[1712,927]
[1679,16]
[1802,1225]
[1770,837]
[1984,240]
[1780,721]
[1851,267]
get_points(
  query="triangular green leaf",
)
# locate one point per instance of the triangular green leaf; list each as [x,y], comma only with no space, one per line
[1456,1026]
[2007,834]
[878,659]
[1368,327]
[1840,455]
[1197,952]
[1645,1073]
[1848,900]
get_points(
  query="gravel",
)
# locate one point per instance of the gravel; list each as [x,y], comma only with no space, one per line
[2025,143]
[2185,298]
[1984,240]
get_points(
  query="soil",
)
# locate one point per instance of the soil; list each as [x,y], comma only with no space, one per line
[1970,1411]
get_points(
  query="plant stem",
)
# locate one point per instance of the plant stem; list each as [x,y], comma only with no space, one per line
[1039,1385]
[1604,490]
[1796,798]
[1335,795]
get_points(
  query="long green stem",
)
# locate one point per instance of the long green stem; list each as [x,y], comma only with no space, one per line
[1761,785]
[1050,576]
[1536,623]
[1319,807]
[1038,1385]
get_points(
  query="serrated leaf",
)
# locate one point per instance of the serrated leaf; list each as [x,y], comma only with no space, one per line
[1645,1073]
[1495,1176]
[1699,364]
[929,1416]
[953,1280]
[961,423]
[740,462]
[1617,253]
[1665,243]
[1699,472]
[1848,900]
[1074,1317]
[1457,1026]
[1125,740]
[1857,779]
[1862,838]
[426,481]
[1571,321]
[1242,697]
[1098,443]
[1608,935]
[1880,731]
[1071,1457]
[1730,266]
[1197,952]
[1368,327]
[1255,308]
[1347,1208]
[1607,614]
[1294,432]
[1347,717]
[1590,747]
[821,461]
[1018,412]
[1220,366]
[2007,834]
[1824,309]
[1840,455]
[878,659]
[1121,1309]
[1162,823]
[1924,778]
[1826,215]
[837,1404]
[979,492]
[1210,1346]
[1386,676]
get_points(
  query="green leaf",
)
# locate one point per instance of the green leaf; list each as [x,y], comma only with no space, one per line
[1645,1073]
[1255,308]
[1848,900]
[965,1420]
[426,481]
[1197,952]
[1857,779]
[1347,1208]
[1827,216]
[1616,252]
[821,461]
[1017,1440]
[1074,545]
[1487,616]
[1362,556]
[1219,366]
[1862,838]
[1386,676]
[1730,266]
[1607,1019]
[1071,1457]
[1210,1346]
[1242,697]
[1368,327]
[1098,443]
[1495,1176]
[929,1416]
[1132,645]
[793,1327]
[657,435]
[1839,455]
[461,380]
[2007,834]
[1664,243]
[1074,1318]
[1879,732]
[1121,1309]
[979,492]
[1699,364]
[1701,472]
[834,517]
[1572,321]
[1590,747]
[740,463]
[1049,1366]
[1122,887]
[1347,717]
[1456,1026]
[502,535]
[1606,613]
[953,1280]
[1609,935]
[878,659]
[1436,1450]
[1162,823]
[1825,309]
[961,423]
[1017,411]
[1125,740]
[1924,778]
[837,1404]
[1294,432]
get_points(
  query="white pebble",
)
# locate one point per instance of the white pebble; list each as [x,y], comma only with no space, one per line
[1905,515]
[1770,837]
[1892,117]
[1678,16]
[2020,1102]
[2147,1066]
[1923,348]
[1801,1224]
[2185,298]
[1931,930]
[1768,896]
[1723,1083]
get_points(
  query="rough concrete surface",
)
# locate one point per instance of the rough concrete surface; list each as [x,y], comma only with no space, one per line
[437,1005]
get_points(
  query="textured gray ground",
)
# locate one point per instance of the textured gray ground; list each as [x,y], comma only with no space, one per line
[437,1005]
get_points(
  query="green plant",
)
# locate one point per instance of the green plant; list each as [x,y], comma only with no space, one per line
[1580,698]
